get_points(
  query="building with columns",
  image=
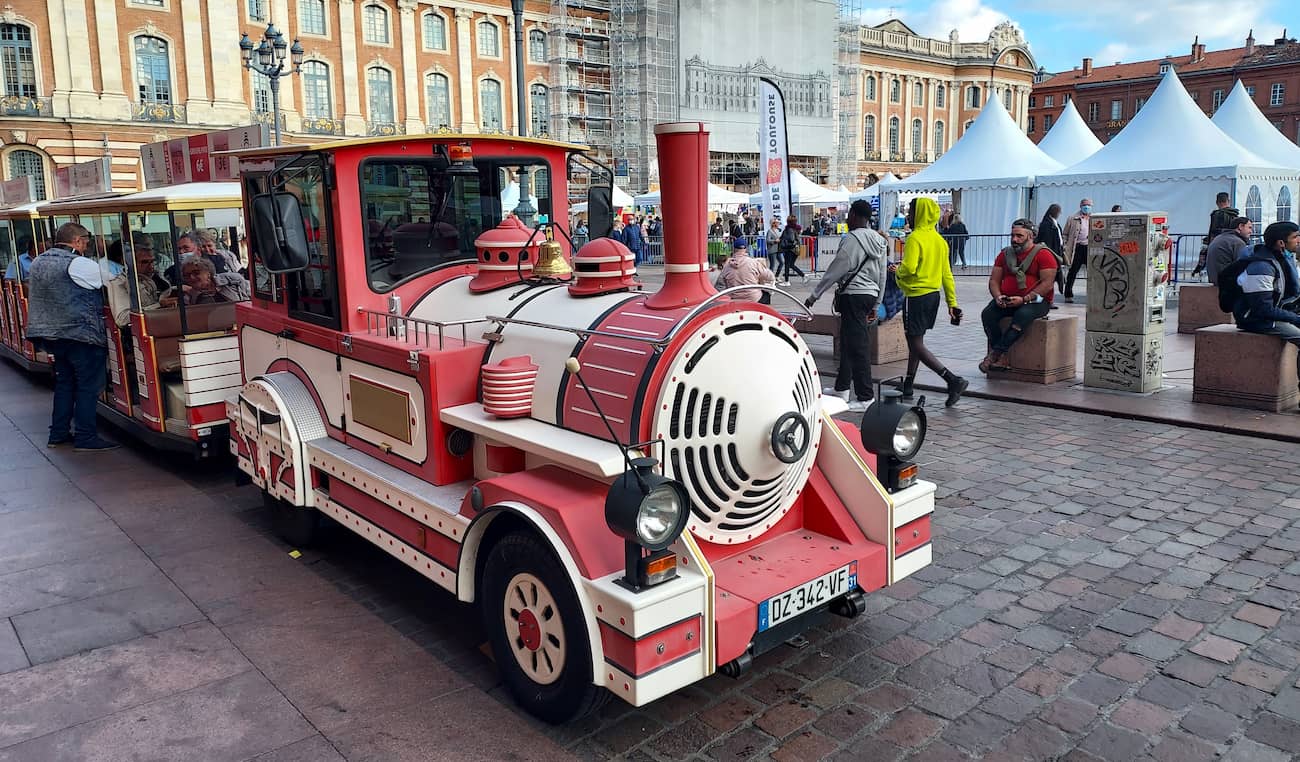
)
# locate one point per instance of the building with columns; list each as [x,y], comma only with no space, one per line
[919,94]
[119,73]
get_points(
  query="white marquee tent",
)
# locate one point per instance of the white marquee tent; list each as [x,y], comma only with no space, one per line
[807,192]
[873,190]
[718,197]
[1171,158]
[1069,141]
[1242,120]
[988,171]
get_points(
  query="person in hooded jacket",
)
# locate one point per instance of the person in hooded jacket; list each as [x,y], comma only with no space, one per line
[922,273]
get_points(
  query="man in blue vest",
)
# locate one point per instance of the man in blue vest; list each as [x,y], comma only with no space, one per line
[66,317]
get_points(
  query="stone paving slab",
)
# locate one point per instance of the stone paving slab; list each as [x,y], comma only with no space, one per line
[12,655]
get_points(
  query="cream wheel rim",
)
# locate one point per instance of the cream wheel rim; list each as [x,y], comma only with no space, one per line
[534,629]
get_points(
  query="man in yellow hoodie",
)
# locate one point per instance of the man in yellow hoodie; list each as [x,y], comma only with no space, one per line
[922,273]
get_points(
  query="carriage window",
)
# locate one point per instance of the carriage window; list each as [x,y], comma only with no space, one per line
[418,217]
[312,293]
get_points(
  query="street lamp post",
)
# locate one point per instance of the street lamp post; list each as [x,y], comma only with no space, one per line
[524,210]
[270,64]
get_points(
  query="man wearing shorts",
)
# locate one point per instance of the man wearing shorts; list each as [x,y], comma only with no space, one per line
[922,273]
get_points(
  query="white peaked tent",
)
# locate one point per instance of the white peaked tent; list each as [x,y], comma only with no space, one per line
[1069,141]
[1170,158]
[807,192]
[989,172]
[622,200]
[872,191]
[1242,120]
[718,197]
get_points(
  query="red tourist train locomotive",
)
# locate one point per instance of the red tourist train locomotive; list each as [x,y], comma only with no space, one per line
[635,489]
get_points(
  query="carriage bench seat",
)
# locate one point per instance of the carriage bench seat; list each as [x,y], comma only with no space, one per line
[1242,369]
[164,325]
[1198,307]
[1045,354]
[887,342]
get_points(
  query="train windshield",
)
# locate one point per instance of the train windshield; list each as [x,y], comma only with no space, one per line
[419,217]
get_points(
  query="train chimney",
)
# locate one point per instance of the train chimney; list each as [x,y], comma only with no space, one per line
[683,172]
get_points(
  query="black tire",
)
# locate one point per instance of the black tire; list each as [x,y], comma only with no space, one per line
[570,694]
[294,524]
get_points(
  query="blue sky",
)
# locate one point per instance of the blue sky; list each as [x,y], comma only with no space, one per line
[1062,33]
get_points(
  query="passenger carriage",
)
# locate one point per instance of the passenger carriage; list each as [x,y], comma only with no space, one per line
[636,490]
[19,224]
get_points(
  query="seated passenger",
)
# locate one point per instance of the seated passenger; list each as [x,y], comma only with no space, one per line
[743,270]
[1269,299]
[1021,285]
[223,260]
[26,252]
[1228,246]
[150,283]
[202,284]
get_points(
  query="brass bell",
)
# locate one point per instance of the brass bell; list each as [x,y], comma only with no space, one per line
[550,261]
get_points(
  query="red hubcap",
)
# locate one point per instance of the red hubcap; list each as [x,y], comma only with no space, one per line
[529,631]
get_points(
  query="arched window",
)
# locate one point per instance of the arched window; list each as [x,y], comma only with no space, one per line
[437,92]
[374,24]
[489,102]
[916,136]
[938,146]
[435,32]
[316,101]
[940,95]
[379,82]
[973,96]
[893,134]
[16,61]
[489,39]
[870,88]
[24,163]
[918,94]
[1254,206]
[869,133]
[537,46]
[311,17]
[895,91]
[1284,205]
[153,71]
[539,110]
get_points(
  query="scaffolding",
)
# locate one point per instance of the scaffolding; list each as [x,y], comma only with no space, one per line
[578,52]
[845,95]
[644,44]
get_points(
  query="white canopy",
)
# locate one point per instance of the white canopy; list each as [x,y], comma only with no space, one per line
[1242,120]
[873,190]
[1171,158]
[622,199]
[510,197]
[718,196]
[1069,141]
[988,171]
[806,191]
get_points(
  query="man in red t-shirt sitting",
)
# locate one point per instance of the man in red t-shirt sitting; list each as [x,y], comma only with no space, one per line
[1021,285]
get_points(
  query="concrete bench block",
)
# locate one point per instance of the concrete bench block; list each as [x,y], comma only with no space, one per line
[1045,353]
[1198,307]
[1241,369]
[888,344]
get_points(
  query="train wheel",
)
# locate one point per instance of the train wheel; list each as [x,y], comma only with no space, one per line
[536,629]
[294,524]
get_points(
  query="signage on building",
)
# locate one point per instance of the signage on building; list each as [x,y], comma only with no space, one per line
[20,190]
[84,179]
[197,158]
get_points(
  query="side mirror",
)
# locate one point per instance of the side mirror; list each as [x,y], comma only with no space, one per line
[600,211]
[279,232]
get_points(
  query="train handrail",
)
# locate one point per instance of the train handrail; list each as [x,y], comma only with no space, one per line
[409,329]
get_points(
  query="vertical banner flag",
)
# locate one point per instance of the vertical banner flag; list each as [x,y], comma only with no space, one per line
[773,154]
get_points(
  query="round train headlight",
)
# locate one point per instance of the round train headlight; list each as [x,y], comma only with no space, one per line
[646,508]
[892,429]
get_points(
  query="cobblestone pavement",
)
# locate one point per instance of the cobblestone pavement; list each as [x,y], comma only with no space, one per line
[1112,590]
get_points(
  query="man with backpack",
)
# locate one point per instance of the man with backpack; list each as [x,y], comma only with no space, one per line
[1021,287]
[1262,290]
[858,274]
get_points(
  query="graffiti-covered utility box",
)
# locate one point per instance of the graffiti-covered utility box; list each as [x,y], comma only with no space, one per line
[1128,257]
[1125,362]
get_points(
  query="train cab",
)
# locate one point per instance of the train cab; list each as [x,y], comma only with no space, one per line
[24,234]
[172,280]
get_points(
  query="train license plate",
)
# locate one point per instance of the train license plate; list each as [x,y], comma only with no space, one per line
[809,595]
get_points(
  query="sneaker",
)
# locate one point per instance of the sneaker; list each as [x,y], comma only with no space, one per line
[831,391]
[97,445]
[857,406]
[53,443]
[955,388]
[1069,299]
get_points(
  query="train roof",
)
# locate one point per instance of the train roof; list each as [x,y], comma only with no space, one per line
[21,211]
[334,145]
[177,198]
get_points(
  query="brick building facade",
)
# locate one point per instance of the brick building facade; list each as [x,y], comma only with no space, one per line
[118,73]
[1107,97]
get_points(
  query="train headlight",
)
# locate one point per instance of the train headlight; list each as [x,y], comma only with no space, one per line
[649,511]
[894,432]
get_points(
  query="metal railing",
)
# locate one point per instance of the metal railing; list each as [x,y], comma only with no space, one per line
[322,125]
[385,129]
[415,331]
